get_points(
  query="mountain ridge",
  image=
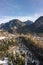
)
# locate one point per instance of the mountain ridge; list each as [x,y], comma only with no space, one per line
[18,26]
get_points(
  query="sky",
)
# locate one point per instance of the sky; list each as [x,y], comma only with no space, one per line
[20,9]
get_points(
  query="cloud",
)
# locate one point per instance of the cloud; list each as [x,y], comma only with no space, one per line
[8,18]
[4,19]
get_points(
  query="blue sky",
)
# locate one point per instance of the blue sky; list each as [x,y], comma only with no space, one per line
[21,9]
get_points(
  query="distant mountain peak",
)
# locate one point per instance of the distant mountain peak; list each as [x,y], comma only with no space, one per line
[28,22]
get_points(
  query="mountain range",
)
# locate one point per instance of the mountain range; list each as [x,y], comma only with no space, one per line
[16,25]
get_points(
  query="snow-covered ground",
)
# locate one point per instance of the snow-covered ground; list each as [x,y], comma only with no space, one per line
[1,38]
[4,62]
